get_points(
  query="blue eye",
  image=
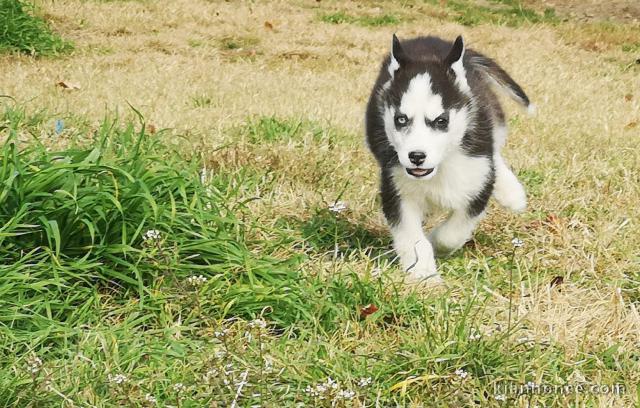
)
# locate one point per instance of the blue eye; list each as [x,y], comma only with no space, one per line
[401,120]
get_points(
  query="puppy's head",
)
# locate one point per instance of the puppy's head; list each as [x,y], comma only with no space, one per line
[424,106]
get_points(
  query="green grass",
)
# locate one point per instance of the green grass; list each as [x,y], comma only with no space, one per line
[239,42]
[202,101]
[497,12]
[21,30]
[341,17]
[271,129]
[86,294]
[631,47]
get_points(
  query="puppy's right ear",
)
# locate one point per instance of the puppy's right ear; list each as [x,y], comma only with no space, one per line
[398,56]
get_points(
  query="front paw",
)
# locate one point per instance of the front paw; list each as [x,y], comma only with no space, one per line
[417,260]
[424,277]
[423,270]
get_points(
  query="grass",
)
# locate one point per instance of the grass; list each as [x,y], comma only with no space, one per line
[239,42]
[130,275]
[257,286]
[341,17]
[25,32]
[83,272]
[499,12]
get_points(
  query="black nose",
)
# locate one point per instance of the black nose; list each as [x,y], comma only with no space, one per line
[417,158]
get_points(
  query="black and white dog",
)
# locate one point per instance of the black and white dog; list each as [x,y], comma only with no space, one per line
[436,129]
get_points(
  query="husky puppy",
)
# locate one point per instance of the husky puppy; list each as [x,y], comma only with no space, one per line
[436,129]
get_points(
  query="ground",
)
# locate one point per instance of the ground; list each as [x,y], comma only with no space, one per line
[274,93]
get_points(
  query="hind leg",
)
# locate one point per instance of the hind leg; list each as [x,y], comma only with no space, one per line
[455,231]
[507,189]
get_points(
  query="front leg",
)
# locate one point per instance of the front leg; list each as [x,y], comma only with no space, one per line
[404,216]
[411,245]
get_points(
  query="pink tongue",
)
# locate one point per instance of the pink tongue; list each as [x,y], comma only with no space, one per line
[419,171]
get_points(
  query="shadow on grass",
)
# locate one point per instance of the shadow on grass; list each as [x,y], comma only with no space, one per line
[329,232]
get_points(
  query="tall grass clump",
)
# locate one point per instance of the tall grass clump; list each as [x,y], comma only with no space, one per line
[22,31]
[121,217]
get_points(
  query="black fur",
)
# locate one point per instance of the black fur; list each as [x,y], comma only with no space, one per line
[390,197]
[434,55]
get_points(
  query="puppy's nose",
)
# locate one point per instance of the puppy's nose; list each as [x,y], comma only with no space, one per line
[417,158]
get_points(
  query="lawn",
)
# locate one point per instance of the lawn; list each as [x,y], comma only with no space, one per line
[189,215]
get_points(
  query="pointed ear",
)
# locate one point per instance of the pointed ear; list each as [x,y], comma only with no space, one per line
[454,61]
[457,52]
[398,56]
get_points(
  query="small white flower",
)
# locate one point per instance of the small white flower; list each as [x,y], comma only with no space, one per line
[211,374]
[259,323]
[500,397]
[179,387]
[226,381]
[311,391]
[331,384]
[517,242]
[151,235]
[220,334]
[364,382]
[268,364]
[150,399]
[338,207]
[228,369]
[117,379]
[34,364]
[220,354]
[345,394]
[461,373]
[196,281]
[203,176]
[474,335]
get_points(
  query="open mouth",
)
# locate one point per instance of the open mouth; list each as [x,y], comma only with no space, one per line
[420,172]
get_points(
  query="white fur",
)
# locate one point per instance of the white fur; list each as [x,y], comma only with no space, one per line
[461,74]
[419,103]
[411,245]
[459,178]
[455,231]
[419,99]
[507,190]
[393,66]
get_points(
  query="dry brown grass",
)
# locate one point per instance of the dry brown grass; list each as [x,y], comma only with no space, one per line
[584,215]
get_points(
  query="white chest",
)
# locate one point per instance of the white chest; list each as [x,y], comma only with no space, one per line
[459,179]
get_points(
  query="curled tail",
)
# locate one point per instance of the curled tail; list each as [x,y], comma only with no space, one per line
[499,78]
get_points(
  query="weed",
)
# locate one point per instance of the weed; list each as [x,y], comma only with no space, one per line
[22,31]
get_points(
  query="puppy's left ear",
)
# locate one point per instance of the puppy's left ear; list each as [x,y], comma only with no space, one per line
[454,61]
[457,52]
[398,56]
